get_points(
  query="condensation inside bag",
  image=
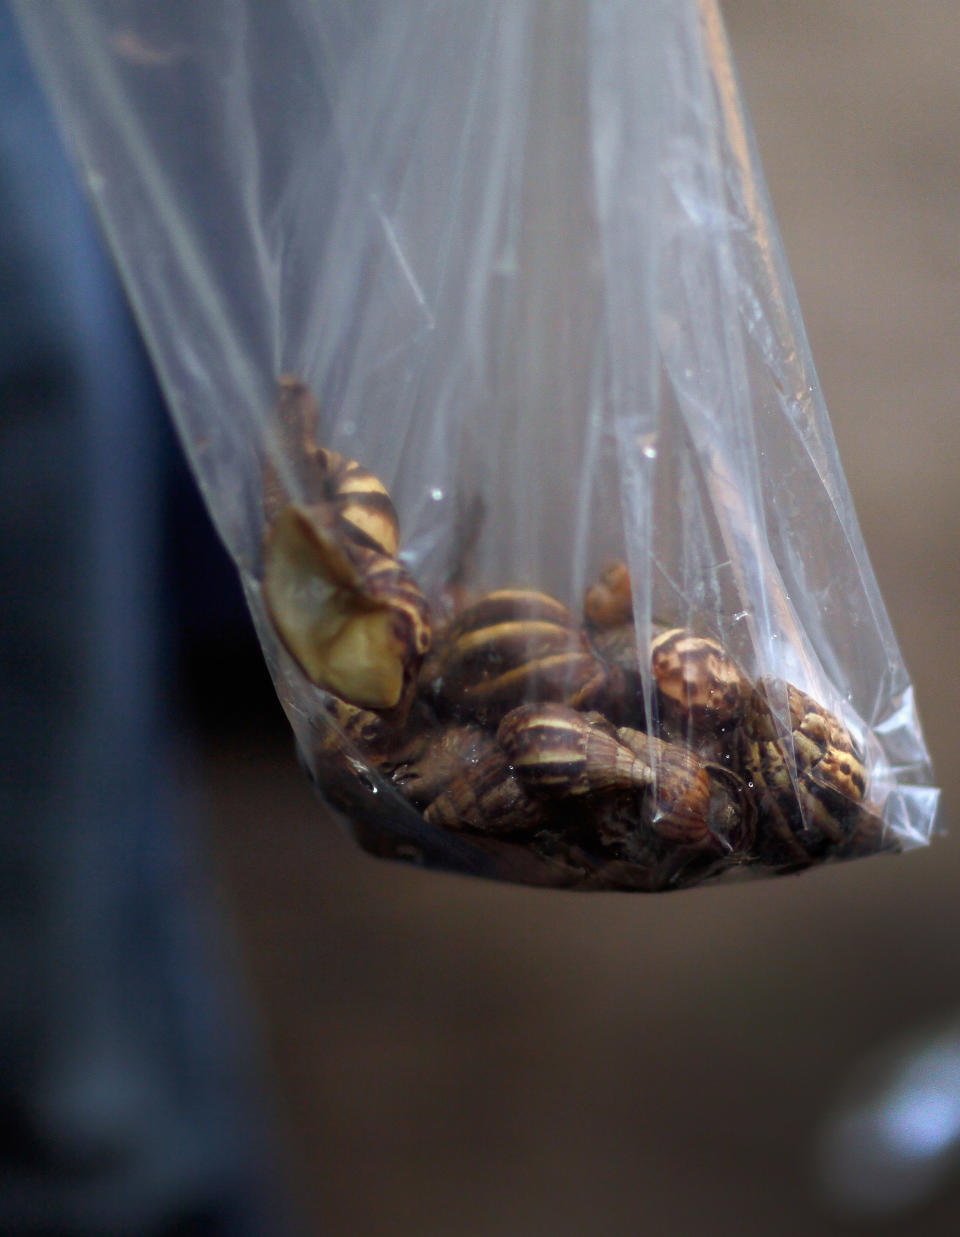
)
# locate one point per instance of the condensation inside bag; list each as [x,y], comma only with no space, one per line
[478,333]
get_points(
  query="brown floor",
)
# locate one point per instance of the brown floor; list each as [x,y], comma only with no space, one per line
[457,1058]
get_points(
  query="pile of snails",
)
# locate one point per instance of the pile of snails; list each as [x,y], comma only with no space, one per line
[518,724]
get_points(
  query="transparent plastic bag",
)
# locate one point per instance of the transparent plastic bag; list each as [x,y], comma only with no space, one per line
[480,339]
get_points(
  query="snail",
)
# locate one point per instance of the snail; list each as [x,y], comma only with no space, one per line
[701,692]
[557,751]
[347,611]
[489,798]
[354,502]
[353,618]
[433,759]
[609,602]
[810,783]
[511,646]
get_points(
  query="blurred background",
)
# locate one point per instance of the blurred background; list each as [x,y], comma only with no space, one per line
[453,1057]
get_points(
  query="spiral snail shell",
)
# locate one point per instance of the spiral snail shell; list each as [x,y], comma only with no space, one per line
[689,803]
[556,750]
[512,646]
[352,499]
[489,798]
[810,782]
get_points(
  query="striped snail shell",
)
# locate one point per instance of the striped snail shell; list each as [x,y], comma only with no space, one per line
[374,734]
[810,783]
[555,750]
[359,499]
[681,806]
[488,798]
[512,646]
[352,618]
[823,746]
[353,498]
[700,688]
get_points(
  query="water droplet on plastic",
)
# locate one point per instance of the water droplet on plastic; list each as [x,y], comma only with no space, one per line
[436,495]
[650,451]
[363,777]
[348,428]
[740,615]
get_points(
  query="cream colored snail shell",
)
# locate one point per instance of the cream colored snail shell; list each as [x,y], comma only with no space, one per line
[351,617]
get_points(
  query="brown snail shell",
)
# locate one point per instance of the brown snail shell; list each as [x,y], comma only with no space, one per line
[869,834]
[513,646]
[489,798]
[609,602]
[372,733]
[682,806]
[351,617]
[616,648]
[810,783]
[555,750]
[431,762]
[512,605]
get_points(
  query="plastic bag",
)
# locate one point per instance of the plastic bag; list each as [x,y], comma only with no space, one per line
[481,341]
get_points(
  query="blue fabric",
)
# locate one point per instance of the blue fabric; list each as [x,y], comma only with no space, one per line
[125,1105]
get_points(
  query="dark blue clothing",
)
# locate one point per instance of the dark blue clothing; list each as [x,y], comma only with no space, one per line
[125,1106]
